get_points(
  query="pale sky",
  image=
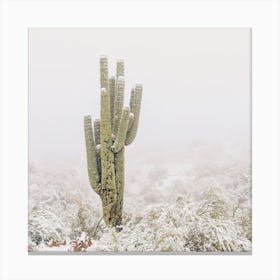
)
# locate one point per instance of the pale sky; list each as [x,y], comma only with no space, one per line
[196,87]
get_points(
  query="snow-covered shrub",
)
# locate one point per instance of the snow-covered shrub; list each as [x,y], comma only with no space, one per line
[170,208]
[184,225]
[59,207]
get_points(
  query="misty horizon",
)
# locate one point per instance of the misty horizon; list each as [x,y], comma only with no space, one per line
[196,89]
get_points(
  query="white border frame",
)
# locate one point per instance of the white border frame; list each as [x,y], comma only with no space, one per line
[18,16]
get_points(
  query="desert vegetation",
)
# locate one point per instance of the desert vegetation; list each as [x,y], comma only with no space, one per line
[168,208]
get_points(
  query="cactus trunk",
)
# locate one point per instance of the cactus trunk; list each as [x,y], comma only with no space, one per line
[116,128]
[119,165]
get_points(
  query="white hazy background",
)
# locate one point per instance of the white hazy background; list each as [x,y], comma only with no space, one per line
[196,91]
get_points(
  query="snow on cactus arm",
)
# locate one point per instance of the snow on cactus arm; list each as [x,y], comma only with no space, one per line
[135,102]
[91,156]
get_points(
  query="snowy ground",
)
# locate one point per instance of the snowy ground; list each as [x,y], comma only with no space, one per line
[202,207]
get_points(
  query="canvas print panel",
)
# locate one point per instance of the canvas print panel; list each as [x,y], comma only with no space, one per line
[139,140]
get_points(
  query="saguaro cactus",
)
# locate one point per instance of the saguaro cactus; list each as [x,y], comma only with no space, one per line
[105,147]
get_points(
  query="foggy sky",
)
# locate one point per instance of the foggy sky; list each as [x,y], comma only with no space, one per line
[196,87]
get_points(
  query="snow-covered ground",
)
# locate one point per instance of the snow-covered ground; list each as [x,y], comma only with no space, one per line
[198,207]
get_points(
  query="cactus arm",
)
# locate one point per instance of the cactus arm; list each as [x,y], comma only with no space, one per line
[104,72]
[122,130]
[118,104]
[98,157]
[93,173]
[135,108]
[112,90]
[108,191]
[96,125]
[131,119]
[120,68]
[131,100]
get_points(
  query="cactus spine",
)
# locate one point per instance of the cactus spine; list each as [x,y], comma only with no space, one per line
[105,147]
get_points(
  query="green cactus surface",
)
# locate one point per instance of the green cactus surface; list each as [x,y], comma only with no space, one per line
[106,140]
